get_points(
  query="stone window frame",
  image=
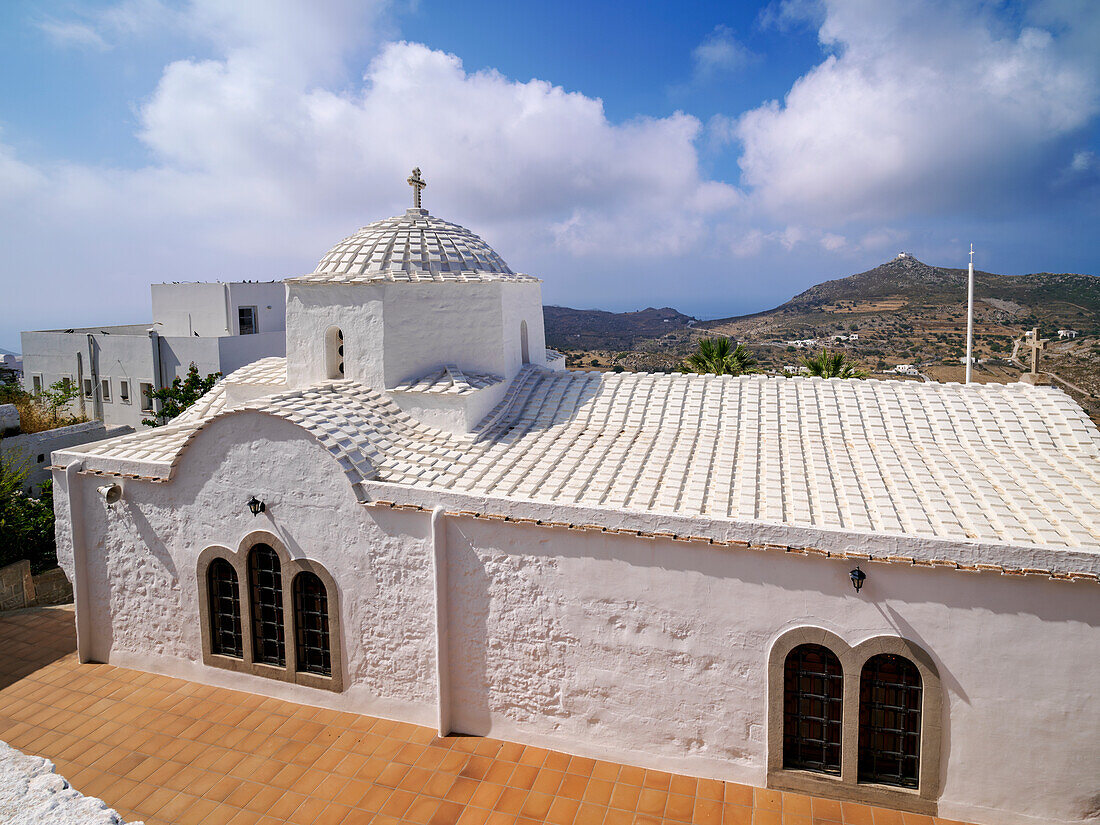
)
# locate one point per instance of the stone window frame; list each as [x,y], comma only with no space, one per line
[289,568]
[847,787]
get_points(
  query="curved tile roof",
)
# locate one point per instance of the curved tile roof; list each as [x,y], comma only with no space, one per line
[1012,464]
[415,246]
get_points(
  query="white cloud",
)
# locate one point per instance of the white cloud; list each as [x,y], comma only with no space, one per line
[263,156]
[720,53]
[923,107]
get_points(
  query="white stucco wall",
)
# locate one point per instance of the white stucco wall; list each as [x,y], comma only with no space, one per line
[34,449]
[395,332]
[653,652]
[129,353]
[355,309]
[211,309]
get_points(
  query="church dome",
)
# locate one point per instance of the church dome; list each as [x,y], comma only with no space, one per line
[415,246]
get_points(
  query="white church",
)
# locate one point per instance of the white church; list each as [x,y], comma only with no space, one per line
[881,591]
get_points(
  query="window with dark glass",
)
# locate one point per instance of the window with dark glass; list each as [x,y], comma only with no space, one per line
[311,625]
[246,320]
[813,690]
[225,610]
[889,721]
[266,585]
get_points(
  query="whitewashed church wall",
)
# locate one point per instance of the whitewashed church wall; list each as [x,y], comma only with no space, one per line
[356,309]
[143,551]
[522,302]
[655,651]
[429,324]
[651,652]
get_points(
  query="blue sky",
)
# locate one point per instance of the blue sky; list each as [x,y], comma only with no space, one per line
[715,157]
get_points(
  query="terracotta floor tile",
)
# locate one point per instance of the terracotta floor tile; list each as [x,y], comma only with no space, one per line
[884,816]
[286,804]
[652,802]
[679,807]
[711,789]
[856,814]
[563,811]
[707,812]
[598,792]
[537,805]
[625,797]
[738,794]
[736,815]
[486,795]
[825,809]
[448,813]
[172,752]
[398,803]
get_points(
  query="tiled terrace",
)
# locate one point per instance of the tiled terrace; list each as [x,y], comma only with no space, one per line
[166,750]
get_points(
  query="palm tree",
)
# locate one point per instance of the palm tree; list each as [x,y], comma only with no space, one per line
[834,365]
[718,356]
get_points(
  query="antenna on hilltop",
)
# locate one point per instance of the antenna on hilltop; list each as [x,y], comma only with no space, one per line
[970,316]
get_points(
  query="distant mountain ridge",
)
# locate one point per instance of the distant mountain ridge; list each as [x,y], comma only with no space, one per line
[568,328]
[907,277]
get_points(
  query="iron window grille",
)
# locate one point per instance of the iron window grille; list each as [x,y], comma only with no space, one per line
[225,610]
[311,625]
[813,691]
[889,721]
[269,643]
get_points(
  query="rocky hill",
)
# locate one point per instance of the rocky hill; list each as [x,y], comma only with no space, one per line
[906,277]
[572,329]
[903,311]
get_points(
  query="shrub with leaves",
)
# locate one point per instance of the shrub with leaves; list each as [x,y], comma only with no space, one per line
[832,365]
[26,524]
[180,395]
[719,356]
[46,409]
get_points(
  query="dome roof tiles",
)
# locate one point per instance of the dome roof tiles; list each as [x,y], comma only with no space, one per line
[412,247]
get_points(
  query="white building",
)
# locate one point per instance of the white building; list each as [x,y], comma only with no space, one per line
[217,326]
[1067,333]
[416,514]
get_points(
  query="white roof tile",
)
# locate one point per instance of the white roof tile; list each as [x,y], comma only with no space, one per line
[412,247]
[1015,464]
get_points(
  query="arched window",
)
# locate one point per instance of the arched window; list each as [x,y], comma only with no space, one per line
[524,351]
[889,721]
[225,610]
[311,634]
[813,690]
[266,586]
[334,353]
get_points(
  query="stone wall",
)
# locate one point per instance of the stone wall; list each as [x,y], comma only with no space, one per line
[51,587]
[19,589]
[35,448]
[16,586]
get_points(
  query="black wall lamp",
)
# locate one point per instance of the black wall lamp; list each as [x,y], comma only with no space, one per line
[256,506]
[858,577]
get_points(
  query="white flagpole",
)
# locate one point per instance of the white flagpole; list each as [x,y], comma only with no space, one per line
[970,317]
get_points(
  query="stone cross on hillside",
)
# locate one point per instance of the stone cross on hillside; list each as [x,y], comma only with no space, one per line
[1036,343]
[417,183]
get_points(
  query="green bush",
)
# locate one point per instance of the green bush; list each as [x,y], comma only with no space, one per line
[26,524]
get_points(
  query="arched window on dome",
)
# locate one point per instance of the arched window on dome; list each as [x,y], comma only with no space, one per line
[524,351]
[334,353]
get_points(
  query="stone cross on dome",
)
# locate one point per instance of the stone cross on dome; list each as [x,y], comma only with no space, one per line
[417,183]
